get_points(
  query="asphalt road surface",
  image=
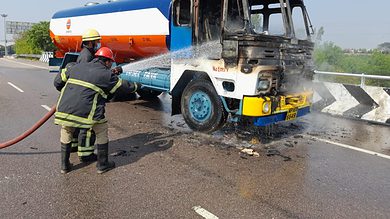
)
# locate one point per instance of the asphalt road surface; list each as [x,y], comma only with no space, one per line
[315,167]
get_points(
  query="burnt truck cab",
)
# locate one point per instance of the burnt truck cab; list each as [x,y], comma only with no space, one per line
[259,32]
[262,69]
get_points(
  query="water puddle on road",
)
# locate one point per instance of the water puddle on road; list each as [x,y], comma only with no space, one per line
[356,133]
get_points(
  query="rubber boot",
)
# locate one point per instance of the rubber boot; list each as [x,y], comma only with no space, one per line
[65,154]
[103,165]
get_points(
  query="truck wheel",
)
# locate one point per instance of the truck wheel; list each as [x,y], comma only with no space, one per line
[148,94]
[201,106]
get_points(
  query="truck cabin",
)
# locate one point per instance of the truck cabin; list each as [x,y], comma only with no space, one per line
[286,18]
[210,19]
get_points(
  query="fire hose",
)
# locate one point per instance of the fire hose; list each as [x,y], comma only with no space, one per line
[29,131]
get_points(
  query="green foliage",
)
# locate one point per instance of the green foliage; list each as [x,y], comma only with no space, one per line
[329,57]
[22,46]
[35,40]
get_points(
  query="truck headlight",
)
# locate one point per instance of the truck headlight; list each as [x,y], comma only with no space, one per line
[263,84]
[266,107]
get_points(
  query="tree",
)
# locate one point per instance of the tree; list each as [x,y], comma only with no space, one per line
[39,36]
[22,46]
[35,40]
[328,56]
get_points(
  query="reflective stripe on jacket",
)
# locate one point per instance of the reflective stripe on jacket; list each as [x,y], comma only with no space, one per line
[85,88]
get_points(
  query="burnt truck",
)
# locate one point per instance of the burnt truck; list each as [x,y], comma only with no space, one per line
[228,59]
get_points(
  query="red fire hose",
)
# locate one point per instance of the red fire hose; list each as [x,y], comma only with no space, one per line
[30,131]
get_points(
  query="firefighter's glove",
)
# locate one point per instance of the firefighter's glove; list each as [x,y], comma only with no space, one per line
[117,70]
[137,86]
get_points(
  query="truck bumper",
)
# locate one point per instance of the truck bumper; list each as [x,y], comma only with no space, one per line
[268,110]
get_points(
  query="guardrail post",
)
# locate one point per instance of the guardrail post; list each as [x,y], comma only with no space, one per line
[362,81]
[315,76]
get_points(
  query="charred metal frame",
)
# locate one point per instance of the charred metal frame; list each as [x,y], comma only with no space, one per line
[291,57]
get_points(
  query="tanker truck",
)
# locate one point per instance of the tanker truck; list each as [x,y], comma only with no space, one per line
[257,65]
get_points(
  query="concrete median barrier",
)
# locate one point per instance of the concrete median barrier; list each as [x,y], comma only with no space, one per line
[351,101]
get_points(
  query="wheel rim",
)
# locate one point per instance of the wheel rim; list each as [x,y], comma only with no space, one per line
[200,106]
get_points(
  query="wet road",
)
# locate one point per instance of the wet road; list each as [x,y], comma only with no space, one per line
[165,171]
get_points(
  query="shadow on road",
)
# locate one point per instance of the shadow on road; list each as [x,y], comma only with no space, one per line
[130,149]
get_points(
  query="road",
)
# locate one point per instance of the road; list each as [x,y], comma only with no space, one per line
[164,170]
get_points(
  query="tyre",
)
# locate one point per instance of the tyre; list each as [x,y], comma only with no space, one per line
[148,94]
[201,106]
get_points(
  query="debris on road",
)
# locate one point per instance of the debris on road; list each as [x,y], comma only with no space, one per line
[118,153]
[248,152]
[273,152]
[255,140]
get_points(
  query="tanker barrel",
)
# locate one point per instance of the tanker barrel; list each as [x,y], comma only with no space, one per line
[153,78]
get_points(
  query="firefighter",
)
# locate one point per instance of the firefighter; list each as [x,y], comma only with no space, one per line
[84,139]
[75,141]
[90,44]
[96,82]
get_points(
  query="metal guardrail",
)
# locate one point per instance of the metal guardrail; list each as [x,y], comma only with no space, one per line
[29,56]
[362,76]
[44,57]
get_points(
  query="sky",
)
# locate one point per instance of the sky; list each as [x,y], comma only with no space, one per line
[347,23]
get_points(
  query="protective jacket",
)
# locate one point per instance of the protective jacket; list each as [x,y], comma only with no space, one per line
[85,56]
[85,88]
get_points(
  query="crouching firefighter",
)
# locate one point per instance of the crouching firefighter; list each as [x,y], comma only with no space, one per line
[85,89]
[83,140]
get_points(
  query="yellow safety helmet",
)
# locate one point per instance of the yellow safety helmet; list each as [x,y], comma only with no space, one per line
[91,34]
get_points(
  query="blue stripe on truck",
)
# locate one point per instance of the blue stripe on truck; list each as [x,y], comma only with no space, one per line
[119,6]
[266,120]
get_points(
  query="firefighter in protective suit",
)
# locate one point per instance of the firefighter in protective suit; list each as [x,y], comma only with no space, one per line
[85,89]
[84,139]
[90,44]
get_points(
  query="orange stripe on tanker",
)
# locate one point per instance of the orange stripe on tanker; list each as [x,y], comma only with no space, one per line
[125,47]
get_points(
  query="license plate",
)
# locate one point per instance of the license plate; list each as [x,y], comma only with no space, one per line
[292,114]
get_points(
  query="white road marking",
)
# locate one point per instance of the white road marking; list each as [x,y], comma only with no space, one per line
[20,90]
[204,213]
[46,107]
[352,147]
[26,64]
